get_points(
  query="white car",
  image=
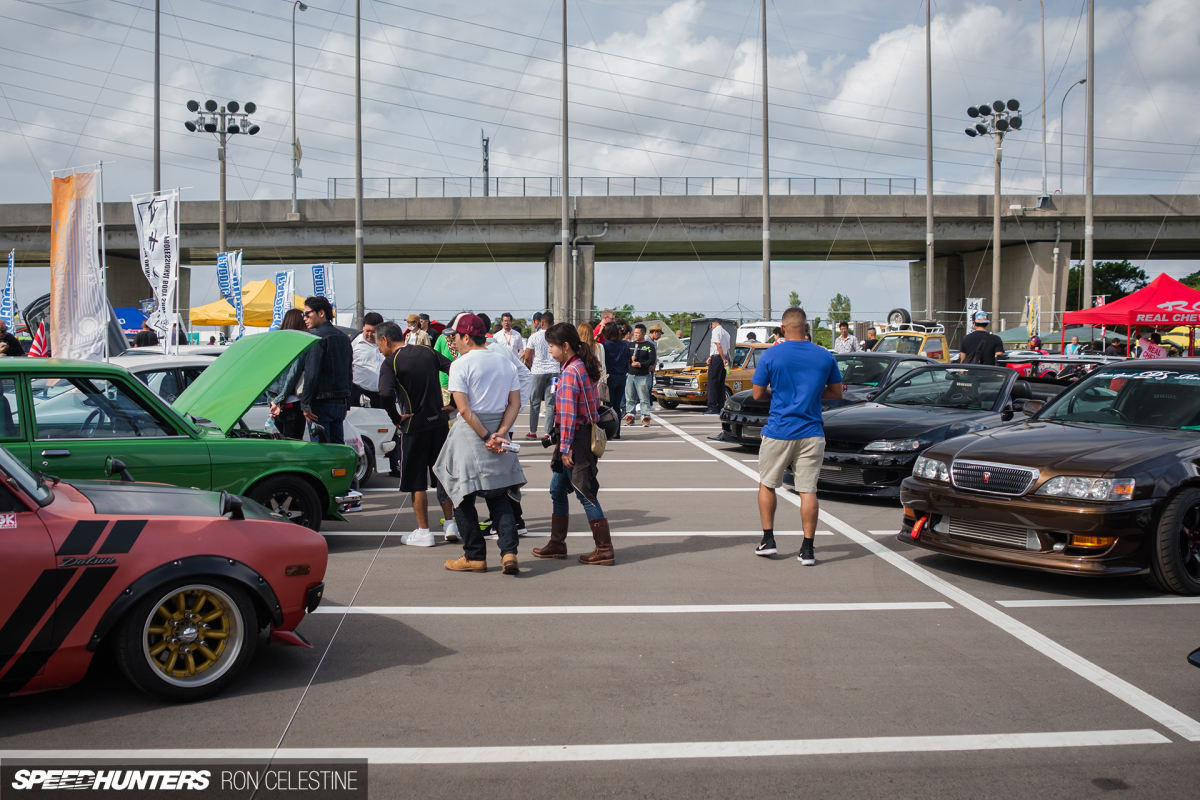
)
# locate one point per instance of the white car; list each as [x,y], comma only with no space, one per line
[168,376]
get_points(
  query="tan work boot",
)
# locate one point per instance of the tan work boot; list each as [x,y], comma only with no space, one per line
[509,564]
[557,547]
[603,554]
[462,565]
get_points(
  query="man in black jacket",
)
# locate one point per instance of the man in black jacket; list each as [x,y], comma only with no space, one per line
[326,371]
[12,345]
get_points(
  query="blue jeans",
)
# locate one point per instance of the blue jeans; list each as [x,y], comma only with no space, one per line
[560,490]
[638,388]
[331,414]
[616,392]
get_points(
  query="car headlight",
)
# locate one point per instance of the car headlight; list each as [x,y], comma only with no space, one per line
[694,383]
[895,445]
[732,405]
[931,470]
[1082,488]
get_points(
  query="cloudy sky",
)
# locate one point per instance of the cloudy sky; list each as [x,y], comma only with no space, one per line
[658,89]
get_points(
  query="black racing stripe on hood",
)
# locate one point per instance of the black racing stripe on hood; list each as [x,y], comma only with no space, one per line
[147,500]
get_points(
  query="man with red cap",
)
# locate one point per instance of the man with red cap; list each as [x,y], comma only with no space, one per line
[486,391]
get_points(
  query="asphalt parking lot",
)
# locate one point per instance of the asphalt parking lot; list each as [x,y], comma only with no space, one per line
[692,668]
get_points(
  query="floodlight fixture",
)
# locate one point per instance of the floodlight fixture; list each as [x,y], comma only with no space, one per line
[232,106]
[1015,122]
[210,106]
[210,127]
[981,129]
[985,109]
[233,128]
[250,108]
[1014,105]
[191,126]
[193,106]
[253,130]
[972,112]
[970,132]
[998,106]
[1001,124]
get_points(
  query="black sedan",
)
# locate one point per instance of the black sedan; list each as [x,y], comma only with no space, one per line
[863,374]
[870,447]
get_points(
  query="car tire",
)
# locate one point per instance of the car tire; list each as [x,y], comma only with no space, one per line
[899,316]
[366,463]
[1174,566]
[154,664]
[670,405]
[291,496]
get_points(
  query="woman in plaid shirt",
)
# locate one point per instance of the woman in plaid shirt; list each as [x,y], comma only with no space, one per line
[575,466]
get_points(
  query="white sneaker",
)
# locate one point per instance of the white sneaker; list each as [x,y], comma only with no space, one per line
[418,538]
[450,528]
[352,509]
[522,532]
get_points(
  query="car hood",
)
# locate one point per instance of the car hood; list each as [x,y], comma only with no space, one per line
[867,422]
[158,500]
[227,389]
[1063,448]
[854,393]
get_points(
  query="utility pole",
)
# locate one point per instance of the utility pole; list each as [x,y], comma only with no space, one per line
[1000,118]
[996,236]
[221,206]
[1089,215]
[766,169]
[484,140]
[568,310]
[157,98]
[358,177]
[1044,200]
[929,304]
[295,215]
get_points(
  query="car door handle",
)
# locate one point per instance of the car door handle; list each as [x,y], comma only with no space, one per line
[52,453]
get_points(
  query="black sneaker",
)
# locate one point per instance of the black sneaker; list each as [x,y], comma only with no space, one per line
[806,557]
[765,548]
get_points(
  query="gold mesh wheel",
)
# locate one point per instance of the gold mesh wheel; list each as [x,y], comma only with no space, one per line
[193,635]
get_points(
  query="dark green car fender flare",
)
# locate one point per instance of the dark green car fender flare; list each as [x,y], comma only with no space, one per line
[189,567]
[291,471]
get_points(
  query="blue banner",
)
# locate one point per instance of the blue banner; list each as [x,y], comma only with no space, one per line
[7,300]
[285,293]
[223,277]
[323,284]
[234,265]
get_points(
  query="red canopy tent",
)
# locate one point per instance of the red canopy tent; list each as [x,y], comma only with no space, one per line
[1165,302]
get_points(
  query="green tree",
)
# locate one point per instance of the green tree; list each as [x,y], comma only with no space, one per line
[1192,281]
[839,308]
[794,300]
[1113,279]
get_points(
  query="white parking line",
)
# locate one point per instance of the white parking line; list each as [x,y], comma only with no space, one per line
[892,532]
[635,461]
[1143,701]
[751,608]
[642,489]
[642,751]
[1115,601]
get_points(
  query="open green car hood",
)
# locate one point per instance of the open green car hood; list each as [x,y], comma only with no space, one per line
[226,390]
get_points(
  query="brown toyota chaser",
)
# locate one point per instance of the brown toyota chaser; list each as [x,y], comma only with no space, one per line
[1102,480]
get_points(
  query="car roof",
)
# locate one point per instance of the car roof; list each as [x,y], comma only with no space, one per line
[36,366]
[891,355]
[147,363]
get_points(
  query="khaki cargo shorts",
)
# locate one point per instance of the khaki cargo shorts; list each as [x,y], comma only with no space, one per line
[804,456]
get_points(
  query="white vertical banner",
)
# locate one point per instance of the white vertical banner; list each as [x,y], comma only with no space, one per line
[974,304]
[78,319]
[156,217]
[1033,311]
[8,301]
[323,283]
[235,289]
[285,293]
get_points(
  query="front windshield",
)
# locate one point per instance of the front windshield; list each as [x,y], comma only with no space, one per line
[33,486]
[860,370]
[953,387]
[1147,398]
[900,344]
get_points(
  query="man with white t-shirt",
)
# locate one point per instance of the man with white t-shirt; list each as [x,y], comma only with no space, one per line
[508,337]
[545,369]
[718,363]
[473,463]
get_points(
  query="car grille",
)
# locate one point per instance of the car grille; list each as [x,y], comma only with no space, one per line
[845,475]
[993,533]
[843,446]
[992,478]
[674,382]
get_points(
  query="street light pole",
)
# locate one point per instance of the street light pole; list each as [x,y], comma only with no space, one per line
[295,141]
[221,205]
[929,249]
[1062,132]
[1000,118]
[157,98]
[221,120]
[1045,198]
[568,310]
[358,176]
[1089,211]
[996,235]
[766,168]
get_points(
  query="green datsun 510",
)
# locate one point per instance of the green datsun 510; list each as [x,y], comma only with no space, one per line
[66,417]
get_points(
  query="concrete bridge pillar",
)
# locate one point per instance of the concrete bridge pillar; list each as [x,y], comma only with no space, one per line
[127,286]
[1026,270]
[570,287]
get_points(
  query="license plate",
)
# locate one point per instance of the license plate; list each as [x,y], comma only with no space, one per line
[751,433]
[831,468]
[671,392]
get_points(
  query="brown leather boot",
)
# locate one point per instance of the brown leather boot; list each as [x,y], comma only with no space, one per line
[603,554]
[557,547]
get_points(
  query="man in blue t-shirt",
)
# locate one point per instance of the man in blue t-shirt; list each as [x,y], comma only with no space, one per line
[795,375]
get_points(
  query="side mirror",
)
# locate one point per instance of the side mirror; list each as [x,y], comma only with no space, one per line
[1007,413]
[872,395]
[1032,407]
[231,504]
[317,433]
[1194,658]
[117,466]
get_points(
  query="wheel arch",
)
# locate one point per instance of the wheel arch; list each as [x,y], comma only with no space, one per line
[313,481]
[265,601]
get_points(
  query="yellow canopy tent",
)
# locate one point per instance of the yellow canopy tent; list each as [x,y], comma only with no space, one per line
[258,300]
